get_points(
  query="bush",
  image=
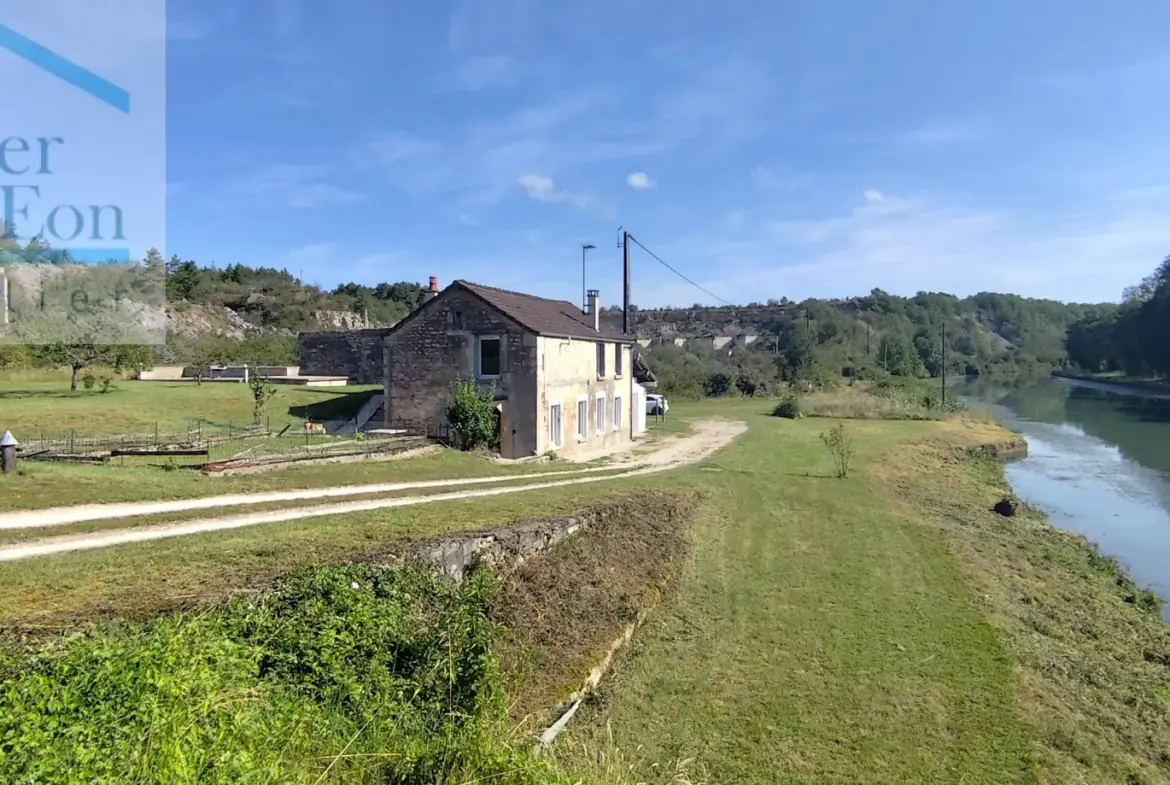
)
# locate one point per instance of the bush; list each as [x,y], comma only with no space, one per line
[88,381]
[359,658]
[472,414]
[105,383]
[788,407]
[840,446]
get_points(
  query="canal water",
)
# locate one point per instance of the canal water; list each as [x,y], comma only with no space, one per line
[1098,464]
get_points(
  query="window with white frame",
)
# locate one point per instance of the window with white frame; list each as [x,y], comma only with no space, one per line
[617,413]
[617,361]
[599,412]
[556,429]
[582,418]
[600,360]
[489,356]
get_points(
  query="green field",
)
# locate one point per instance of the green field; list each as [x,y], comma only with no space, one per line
[32,408]
[883,628]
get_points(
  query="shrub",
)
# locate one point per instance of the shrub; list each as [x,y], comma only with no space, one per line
[105,383]
[472,414]
[262,391]
[88,381]
[840,446]
[788,407]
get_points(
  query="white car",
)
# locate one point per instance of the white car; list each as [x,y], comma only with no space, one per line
[657,403]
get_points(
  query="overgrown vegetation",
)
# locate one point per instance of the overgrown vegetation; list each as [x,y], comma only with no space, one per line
[472,414]
[348,674]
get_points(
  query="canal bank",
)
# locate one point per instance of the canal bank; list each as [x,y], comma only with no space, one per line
[1098,465]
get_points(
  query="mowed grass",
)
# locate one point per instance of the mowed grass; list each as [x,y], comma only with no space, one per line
[819,635]
[38,484]
[30,408]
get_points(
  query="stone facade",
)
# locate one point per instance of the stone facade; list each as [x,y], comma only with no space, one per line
[356,354]
[438,345]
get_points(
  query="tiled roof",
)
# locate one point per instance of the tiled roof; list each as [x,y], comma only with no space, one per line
[558,318]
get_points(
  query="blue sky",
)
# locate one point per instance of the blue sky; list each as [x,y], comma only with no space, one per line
[764,149]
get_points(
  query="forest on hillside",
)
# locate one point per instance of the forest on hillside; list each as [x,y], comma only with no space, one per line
[1132,338]
[821,341]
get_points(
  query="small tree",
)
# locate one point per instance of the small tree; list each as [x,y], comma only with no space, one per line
[840,446]
[262,392]
[472,414]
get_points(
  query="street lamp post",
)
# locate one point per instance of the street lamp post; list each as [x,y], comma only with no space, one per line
[584,299]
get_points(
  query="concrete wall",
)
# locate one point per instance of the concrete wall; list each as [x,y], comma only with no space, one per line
[568,372]
[161,373]
[437,347]
[356,354]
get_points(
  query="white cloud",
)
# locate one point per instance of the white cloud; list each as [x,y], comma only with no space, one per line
[640,181]
[543,189]
[293,185]
[874,197]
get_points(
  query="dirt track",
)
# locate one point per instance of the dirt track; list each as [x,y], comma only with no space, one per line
[707,437]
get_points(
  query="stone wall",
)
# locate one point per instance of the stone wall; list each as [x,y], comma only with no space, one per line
[356,354]
[437,347]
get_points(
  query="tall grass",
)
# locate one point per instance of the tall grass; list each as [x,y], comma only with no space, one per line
[350,674]
[894,399]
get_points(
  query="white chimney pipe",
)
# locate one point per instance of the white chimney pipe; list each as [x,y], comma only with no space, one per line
[594,299]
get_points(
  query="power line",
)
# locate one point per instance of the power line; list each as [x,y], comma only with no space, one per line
[680,275]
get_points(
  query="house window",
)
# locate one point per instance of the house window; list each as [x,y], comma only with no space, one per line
[599,411]
[488,356]
[617,412]
[556,430]
[582,418]
[617,361]
[600,361]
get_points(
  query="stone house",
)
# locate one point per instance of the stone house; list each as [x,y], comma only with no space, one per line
[564,382]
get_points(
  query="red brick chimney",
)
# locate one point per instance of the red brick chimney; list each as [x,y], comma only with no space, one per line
[434,290]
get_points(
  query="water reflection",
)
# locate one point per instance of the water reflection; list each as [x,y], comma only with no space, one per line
[1098,464]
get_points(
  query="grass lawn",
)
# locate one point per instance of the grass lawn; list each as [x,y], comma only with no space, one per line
[37,485]
[884,628]
[819,636]
[30,408]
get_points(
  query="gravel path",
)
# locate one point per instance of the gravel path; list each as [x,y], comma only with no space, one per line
[707,437]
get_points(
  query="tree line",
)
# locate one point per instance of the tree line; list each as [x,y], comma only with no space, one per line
[816,342]
[1132,338]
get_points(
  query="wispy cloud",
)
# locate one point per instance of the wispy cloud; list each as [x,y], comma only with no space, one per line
[313,252]
[907,244]
[482,73]
[543,189]
[293,185]
[640,181]
[943,133]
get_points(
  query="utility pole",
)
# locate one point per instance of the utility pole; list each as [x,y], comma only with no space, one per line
[584,298]
[944,364]
[625,288]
